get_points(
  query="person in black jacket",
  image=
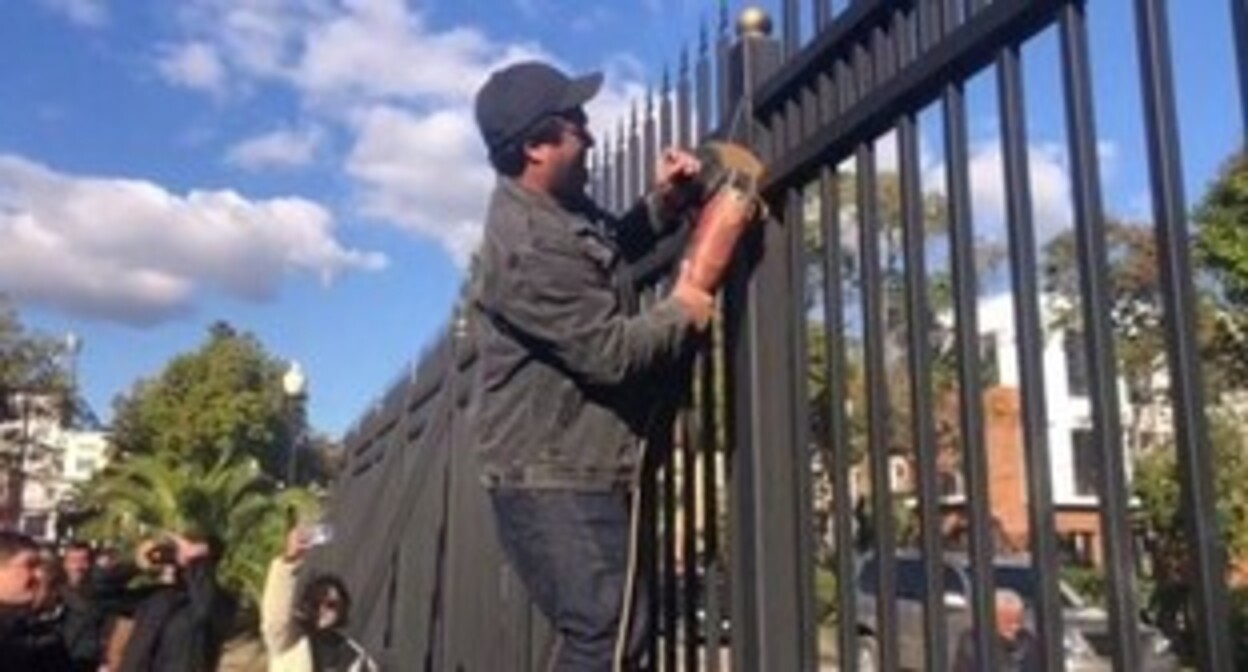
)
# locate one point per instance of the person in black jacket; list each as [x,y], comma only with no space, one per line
[82,627]
[19,563]
[179,627]
[1016,645]
[570,363]
[41,630]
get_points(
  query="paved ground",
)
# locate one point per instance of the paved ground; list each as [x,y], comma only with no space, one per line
[243,655]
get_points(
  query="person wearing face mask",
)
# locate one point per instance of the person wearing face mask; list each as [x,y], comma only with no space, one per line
[307,636]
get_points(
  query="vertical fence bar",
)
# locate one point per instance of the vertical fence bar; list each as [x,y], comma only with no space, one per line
[822,13]
[792,28]
[839,467]
[689,539]
[607,186]
[952,15]
[665,112]
[970,387]
[649,558]
[1239,16]
[1030,339]
[648,142]
[724,88]
[635,184]
[702,87]
[621,168]
[671,605]
[1094,290]
[710,401]
[869,228]
[918,313]
[768,629]
[1195,457]
[795,223]
[684,107]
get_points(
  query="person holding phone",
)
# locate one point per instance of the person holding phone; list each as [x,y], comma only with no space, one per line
[181,625]
[308,636]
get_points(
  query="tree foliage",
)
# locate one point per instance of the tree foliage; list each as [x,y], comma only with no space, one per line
[1222,238]
[231,500]
[29,361]
[223,398]
[201,448]
[1157,485]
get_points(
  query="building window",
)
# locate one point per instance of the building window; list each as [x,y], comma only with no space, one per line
[1087,462]
[36,526]
[1076,363]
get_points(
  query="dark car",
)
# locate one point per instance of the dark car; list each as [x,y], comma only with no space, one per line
[1085,640]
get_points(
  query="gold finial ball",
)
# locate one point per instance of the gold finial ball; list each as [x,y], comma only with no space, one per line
[753,22]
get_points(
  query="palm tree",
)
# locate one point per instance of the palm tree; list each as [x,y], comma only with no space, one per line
[230,499]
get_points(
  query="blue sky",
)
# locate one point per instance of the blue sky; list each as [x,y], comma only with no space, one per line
[308,169]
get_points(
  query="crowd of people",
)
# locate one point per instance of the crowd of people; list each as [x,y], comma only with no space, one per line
[79,608]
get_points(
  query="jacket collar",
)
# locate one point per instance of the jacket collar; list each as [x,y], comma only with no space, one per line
[579,217]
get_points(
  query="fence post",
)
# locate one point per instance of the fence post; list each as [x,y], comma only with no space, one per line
[771,625]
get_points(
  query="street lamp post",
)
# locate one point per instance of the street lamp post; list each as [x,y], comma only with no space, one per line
[295,385]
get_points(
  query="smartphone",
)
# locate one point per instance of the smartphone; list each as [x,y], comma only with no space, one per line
[320,534]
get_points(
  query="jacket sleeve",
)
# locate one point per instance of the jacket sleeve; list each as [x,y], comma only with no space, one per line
[964,657]
[202,588]
[642,230]
[276,607]
[559,300]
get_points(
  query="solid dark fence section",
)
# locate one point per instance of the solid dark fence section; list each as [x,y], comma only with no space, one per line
[731,521]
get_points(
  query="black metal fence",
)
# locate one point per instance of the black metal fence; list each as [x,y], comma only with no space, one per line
[846,412]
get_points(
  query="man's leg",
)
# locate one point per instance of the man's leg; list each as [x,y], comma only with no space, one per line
[571,550]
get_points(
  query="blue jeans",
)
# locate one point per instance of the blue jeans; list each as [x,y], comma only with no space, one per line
[570,549]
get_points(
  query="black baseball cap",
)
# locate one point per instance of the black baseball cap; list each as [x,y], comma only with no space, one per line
[516,97]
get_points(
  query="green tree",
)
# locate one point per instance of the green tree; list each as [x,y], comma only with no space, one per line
[231,500]
[28,360]
[1135,310]
[1221,246]
[1222,237]
[223,398]
[201,448]
[1157,485]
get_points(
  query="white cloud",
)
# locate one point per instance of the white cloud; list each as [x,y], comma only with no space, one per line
[345,51]
[427,173]
[1050,188]
[283,148]
[398,89]
[128,250]
[89,13]
[194,65]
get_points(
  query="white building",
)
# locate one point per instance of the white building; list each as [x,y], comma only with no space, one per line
[1075,461]
[48,459]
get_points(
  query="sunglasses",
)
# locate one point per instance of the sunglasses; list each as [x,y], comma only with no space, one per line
[575,121]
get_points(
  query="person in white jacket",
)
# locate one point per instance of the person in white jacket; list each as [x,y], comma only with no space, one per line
[307,637]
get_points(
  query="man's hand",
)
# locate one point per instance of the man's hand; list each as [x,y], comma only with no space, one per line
[143,552]
[189,551]
[296,545]
[698,304]
[720,226]
[674,174]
